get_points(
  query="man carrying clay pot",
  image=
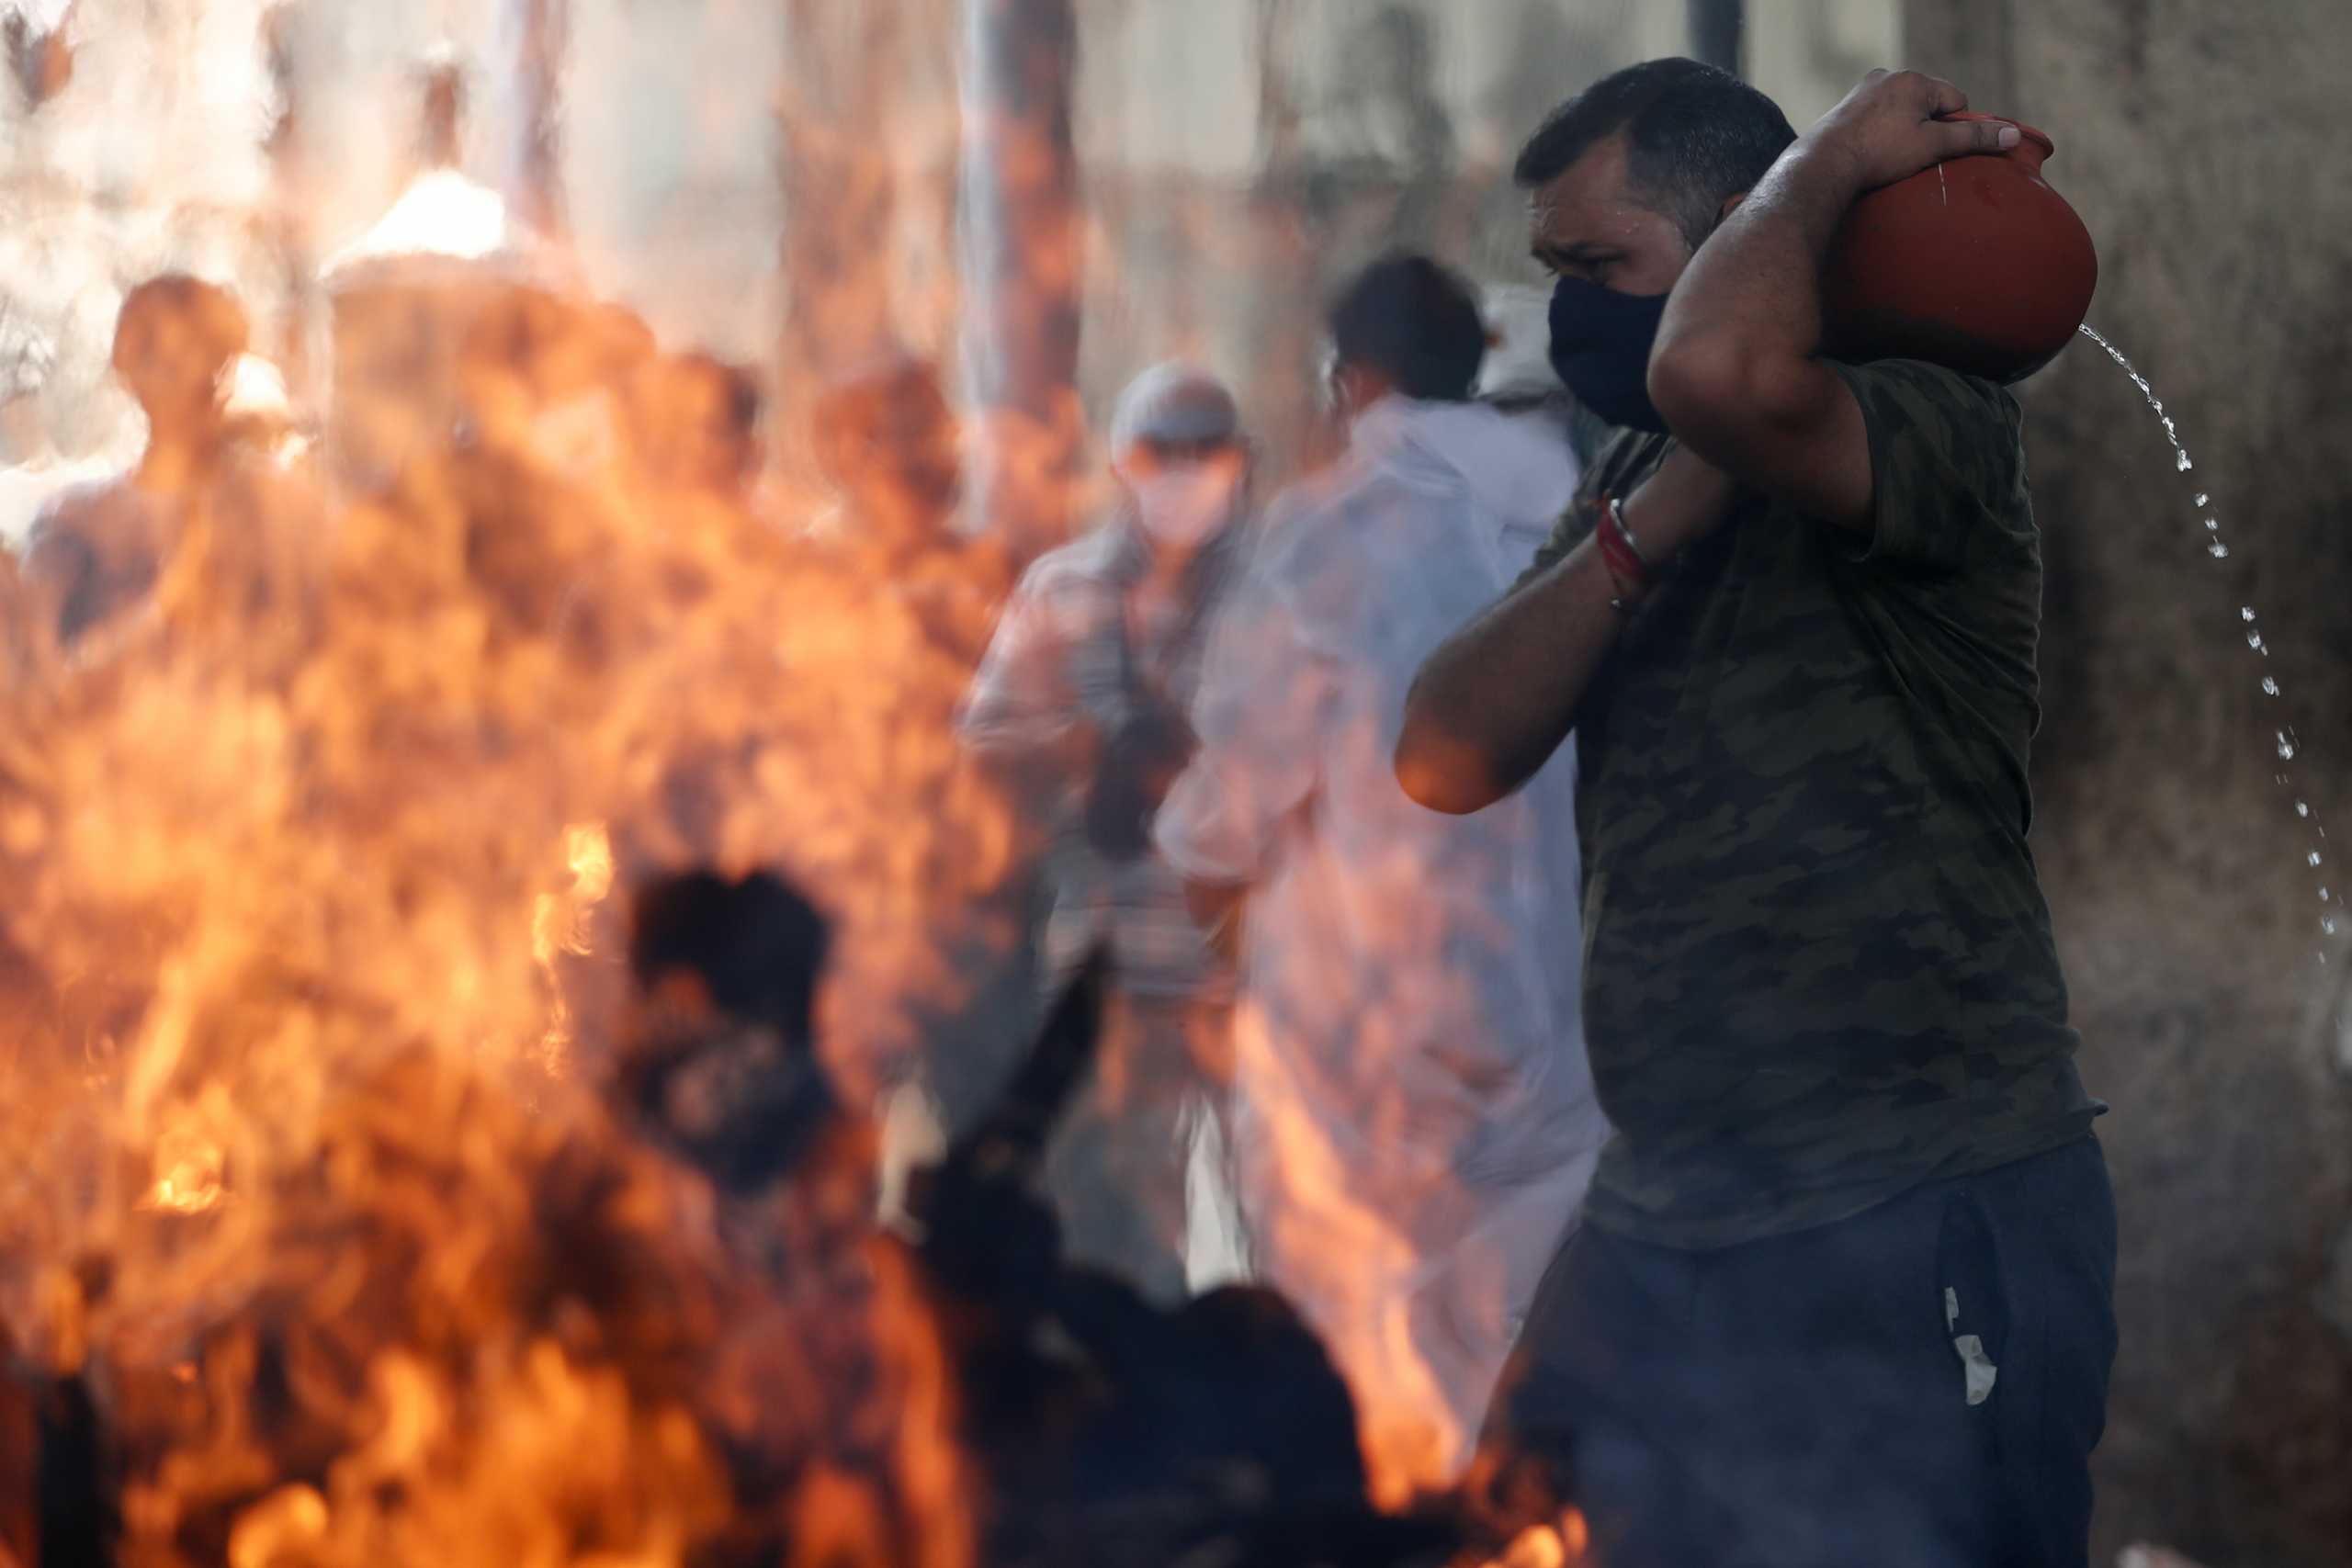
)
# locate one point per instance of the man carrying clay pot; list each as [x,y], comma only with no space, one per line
[1844,1290]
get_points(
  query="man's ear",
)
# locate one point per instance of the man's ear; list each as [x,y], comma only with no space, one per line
[1730,206]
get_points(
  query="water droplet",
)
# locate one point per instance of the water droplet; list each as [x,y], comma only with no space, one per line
[2253,641]
[2269,687]
[2212,525]
[2185,464]
[2302,809]
[2218,551]
[2286,747]
[2245,614]
[2325,895]
[2313,858]
[2202,498]
[2327,924]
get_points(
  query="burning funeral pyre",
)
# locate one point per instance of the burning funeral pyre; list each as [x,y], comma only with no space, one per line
[432,1142]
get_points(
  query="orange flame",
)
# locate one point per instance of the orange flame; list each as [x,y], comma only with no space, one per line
[312,863]
[309,971]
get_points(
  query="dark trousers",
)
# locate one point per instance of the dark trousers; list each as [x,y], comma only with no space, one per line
[1810,1400]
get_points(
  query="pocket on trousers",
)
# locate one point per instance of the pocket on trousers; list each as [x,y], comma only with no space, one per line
[1973,1296]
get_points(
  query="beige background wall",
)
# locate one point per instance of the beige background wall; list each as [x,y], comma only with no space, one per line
[2205,147]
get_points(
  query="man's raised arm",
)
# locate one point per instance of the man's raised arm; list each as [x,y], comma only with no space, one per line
[1735,371]
[1497,697]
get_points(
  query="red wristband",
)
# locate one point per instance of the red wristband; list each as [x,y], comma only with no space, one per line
[1618,551]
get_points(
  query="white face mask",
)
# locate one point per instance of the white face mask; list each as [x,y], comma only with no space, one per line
[1186,505]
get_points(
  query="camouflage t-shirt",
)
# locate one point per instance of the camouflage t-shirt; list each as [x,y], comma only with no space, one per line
[1818,967]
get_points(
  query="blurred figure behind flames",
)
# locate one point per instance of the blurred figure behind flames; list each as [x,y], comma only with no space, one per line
[890,445]
[698,425]
[1080,704]
[694,426]
[98,549]
[886,439]
[1414,1117]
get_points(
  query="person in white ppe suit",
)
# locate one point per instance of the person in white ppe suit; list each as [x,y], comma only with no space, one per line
[1414,1122]
[1080,702]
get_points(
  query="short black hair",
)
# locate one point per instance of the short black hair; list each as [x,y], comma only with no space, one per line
[1696,136]
[1415,323]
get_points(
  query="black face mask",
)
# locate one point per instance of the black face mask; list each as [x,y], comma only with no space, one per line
[1601,346]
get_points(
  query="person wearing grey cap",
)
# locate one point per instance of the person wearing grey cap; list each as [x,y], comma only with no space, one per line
[1080,704]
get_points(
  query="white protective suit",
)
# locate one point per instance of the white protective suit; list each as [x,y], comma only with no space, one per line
[1415,1121]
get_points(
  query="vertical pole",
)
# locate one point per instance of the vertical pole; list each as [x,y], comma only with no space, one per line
[441,113]
[534,184]
[1022,243]
[290,231]
[1716,27]
[836,115]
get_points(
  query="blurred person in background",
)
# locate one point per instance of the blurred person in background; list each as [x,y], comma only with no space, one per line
[537,477]
[1081,705]
[890,445]
[888,441]
[1845,1293]
[253,548]
[95,550]
[1413,1120]
[547,381]
[700,461]
[696,421]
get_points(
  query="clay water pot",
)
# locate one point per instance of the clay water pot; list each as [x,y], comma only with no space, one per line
[1975,264]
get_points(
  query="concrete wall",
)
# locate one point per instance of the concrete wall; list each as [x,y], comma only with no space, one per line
[2204,144]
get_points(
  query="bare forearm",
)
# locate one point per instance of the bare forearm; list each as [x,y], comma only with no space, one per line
[1735,371]
[1497,698]
[1753,291]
